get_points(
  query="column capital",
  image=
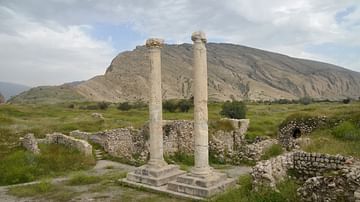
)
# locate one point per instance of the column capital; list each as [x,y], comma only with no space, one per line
[154,43]
[198,36]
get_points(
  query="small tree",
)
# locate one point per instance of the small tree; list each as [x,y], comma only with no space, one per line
[346,101]
[103,105]
[305,100]
[234,110]
[184,105]
[124,106]
[169,105]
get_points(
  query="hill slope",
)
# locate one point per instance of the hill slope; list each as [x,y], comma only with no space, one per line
[235,72]
[11,89]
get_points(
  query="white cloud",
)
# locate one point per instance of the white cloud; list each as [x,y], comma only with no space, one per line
[56,34]
[35,53]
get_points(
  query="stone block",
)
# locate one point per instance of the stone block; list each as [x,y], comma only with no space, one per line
[154,176]
[206,186]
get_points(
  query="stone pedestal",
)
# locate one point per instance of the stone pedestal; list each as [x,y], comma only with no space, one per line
[202,181]
[202,186]
[156,172]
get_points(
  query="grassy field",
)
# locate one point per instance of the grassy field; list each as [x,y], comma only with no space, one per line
[17,120]
[17,165]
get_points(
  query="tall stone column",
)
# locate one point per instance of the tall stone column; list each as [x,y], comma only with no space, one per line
[200,105]
[155,103]
[156,172]
[202,181]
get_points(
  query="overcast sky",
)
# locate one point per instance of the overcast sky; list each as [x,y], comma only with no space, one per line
[46,42]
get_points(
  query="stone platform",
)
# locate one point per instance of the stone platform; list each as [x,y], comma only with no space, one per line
[201,186]
[154,176]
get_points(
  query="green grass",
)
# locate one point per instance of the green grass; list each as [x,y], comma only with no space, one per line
[32,190]
[22,166]
[245,193]
[83,179]
[272,151]
[346,131]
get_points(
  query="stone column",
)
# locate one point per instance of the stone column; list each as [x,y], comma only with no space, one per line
[155,103]
[200,105]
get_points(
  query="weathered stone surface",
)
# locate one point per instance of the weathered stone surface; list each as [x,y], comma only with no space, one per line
[30,143]
[98,116]
[81,145]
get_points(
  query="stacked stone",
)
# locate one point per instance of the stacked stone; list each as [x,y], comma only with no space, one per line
[305,125]
[30,143]
[272,171]
[81,145]
[314,164]
[342,186]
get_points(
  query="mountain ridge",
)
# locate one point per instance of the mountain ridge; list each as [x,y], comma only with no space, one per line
[234,72]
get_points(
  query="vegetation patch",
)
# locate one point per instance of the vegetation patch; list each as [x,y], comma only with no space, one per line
[274,150]
[83,179]
[23,166]
[234,110]
[245,193]
[32,190]
[346,131]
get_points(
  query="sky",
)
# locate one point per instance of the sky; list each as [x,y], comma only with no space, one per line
[50,42]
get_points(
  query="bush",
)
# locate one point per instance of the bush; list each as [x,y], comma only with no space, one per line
[170,106]
[305,100]
[346,131]
[125,106]
[103,105]
[234,110]
[184,105]
[346,101]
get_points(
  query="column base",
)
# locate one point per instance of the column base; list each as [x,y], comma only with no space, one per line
[201,185]
[154,175]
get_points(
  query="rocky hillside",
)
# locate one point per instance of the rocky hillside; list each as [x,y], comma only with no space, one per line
[235,72]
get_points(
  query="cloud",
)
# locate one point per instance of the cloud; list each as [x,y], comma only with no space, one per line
[40,53]
[66,27]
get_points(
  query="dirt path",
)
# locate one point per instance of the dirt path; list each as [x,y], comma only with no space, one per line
[108,190]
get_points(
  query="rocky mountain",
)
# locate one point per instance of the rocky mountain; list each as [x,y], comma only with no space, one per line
[234,71]
[11,89]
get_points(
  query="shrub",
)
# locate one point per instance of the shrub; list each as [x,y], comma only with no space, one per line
[125,106]
[234,110]
[184,105]
[346,101]
[305,100]
[346,131]
[169,105]
[103,105]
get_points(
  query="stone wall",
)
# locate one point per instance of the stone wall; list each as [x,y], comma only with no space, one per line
[308,165]
[323,177]
[291,130]
[132,144]
[81,145]
[343,185]
[30,143]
